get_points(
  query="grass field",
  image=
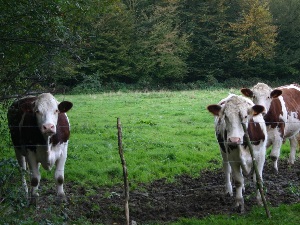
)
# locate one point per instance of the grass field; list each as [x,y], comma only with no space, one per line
[164,134]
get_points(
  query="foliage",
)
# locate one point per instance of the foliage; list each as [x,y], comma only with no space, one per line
[151,43]
[32,35]
[162,49]
[41,41]
[287,19]
[254,34]
[205,23]
[106,56]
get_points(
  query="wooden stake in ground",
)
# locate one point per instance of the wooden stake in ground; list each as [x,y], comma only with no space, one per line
[258,178]
[125,174]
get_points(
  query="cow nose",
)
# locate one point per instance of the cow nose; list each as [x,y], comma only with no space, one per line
[48,128]
[235,140]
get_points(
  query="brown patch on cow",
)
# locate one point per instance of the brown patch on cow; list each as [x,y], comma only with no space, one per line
[60,180]
[34,182]
[291,98]
[14,116]
[256,134]
[272,118]
[62,130]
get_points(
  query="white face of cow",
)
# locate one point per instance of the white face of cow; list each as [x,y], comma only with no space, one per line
[232,113]
[261,94]
[46,110]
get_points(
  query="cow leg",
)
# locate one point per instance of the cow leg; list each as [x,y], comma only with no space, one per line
[293,146]
[35,176]
[239,185]
[59,176]
[275,153]
[227,172]
[22,163]
[260,161]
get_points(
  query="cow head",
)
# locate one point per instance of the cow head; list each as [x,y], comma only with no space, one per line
[231,114]
[261,94]
[46,110]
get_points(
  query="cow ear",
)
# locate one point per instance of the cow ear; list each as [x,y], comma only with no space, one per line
[257,109]
[27,107]
[65,106]
[247,92]
[275,93]
[214,109]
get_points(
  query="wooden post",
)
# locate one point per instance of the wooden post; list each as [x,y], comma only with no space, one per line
[258,178]
[125,174]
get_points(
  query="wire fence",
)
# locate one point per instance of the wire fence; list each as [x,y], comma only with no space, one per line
[113,194]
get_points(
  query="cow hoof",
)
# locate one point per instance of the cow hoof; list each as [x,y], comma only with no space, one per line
[60,199]
[240,209]
[259,202]
[228,194]
[273,158]
[291,163]
[275,171]
[33,201]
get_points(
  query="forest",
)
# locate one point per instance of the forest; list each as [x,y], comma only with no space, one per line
[86,46]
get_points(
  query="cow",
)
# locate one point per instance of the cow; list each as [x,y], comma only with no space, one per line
[229,114]
[40,130]
[282,116]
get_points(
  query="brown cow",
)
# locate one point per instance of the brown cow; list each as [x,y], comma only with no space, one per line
[230,113]
[282,116]
[40,131]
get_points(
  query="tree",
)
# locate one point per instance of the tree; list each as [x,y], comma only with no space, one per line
[286,15]
[41,40]
[254,33]
[161,48]
[106,57]
[206,23]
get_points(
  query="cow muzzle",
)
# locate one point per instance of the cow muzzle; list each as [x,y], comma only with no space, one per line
[48,129]
[235,141]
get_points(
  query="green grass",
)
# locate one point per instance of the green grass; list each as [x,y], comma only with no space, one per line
[282,215]
[164,134]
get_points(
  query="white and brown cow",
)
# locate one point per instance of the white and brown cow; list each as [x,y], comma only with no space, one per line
[230,113]
[40,131]
[282,116]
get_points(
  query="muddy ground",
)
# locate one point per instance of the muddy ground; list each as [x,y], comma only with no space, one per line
[187,197]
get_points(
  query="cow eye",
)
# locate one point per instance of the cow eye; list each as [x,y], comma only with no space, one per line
[37,111]
[56,111]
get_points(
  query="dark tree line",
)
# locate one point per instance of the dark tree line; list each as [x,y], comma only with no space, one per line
[85,45]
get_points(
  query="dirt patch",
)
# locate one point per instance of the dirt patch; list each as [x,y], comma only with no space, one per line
[162,201]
